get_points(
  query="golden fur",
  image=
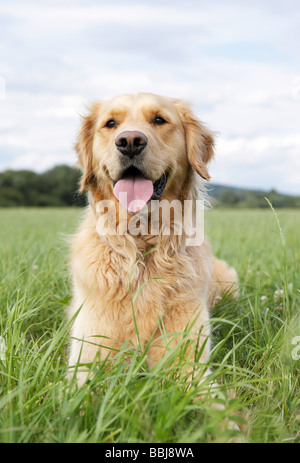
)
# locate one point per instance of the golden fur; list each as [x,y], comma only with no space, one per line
[181,282]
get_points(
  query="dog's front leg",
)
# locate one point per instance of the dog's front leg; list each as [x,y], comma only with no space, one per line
[184,328]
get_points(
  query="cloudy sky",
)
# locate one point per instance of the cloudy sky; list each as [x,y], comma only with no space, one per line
[237,62]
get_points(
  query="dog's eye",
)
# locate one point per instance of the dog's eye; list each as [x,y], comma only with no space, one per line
[158,120]
[110,124]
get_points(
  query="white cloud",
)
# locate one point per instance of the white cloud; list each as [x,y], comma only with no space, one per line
[262,162]
[40,161]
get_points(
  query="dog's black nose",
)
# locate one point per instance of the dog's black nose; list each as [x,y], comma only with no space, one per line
[131,143]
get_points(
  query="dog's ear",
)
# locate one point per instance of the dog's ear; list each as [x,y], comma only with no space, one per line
[199,140]
[84,146]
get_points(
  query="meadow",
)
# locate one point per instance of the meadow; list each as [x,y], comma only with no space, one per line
[255,355]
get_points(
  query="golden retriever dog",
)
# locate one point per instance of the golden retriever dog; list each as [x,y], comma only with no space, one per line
[135,151]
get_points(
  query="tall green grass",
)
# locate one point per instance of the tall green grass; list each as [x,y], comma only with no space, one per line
[252,354]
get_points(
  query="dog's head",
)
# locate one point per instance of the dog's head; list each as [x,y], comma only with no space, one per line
[143,145]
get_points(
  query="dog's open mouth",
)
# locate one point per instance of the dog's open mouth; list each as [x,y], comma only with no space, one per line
[134,190]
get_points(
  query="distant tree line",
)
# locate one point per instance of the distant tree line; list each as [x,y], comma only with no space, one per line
[58,187]
[240,198]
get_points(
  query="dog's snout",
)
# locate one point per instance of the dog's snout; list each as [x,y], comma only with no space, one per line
[131,143]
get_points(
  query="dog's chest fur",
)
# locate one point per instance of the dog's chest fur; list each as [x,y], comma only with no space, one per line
[119,275]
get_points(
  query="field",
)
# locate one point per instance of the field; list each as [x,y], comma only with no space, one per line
[256,343]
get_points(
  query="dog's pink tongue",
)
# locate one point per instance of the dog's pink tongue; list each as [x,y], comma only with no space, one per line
[133,193]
